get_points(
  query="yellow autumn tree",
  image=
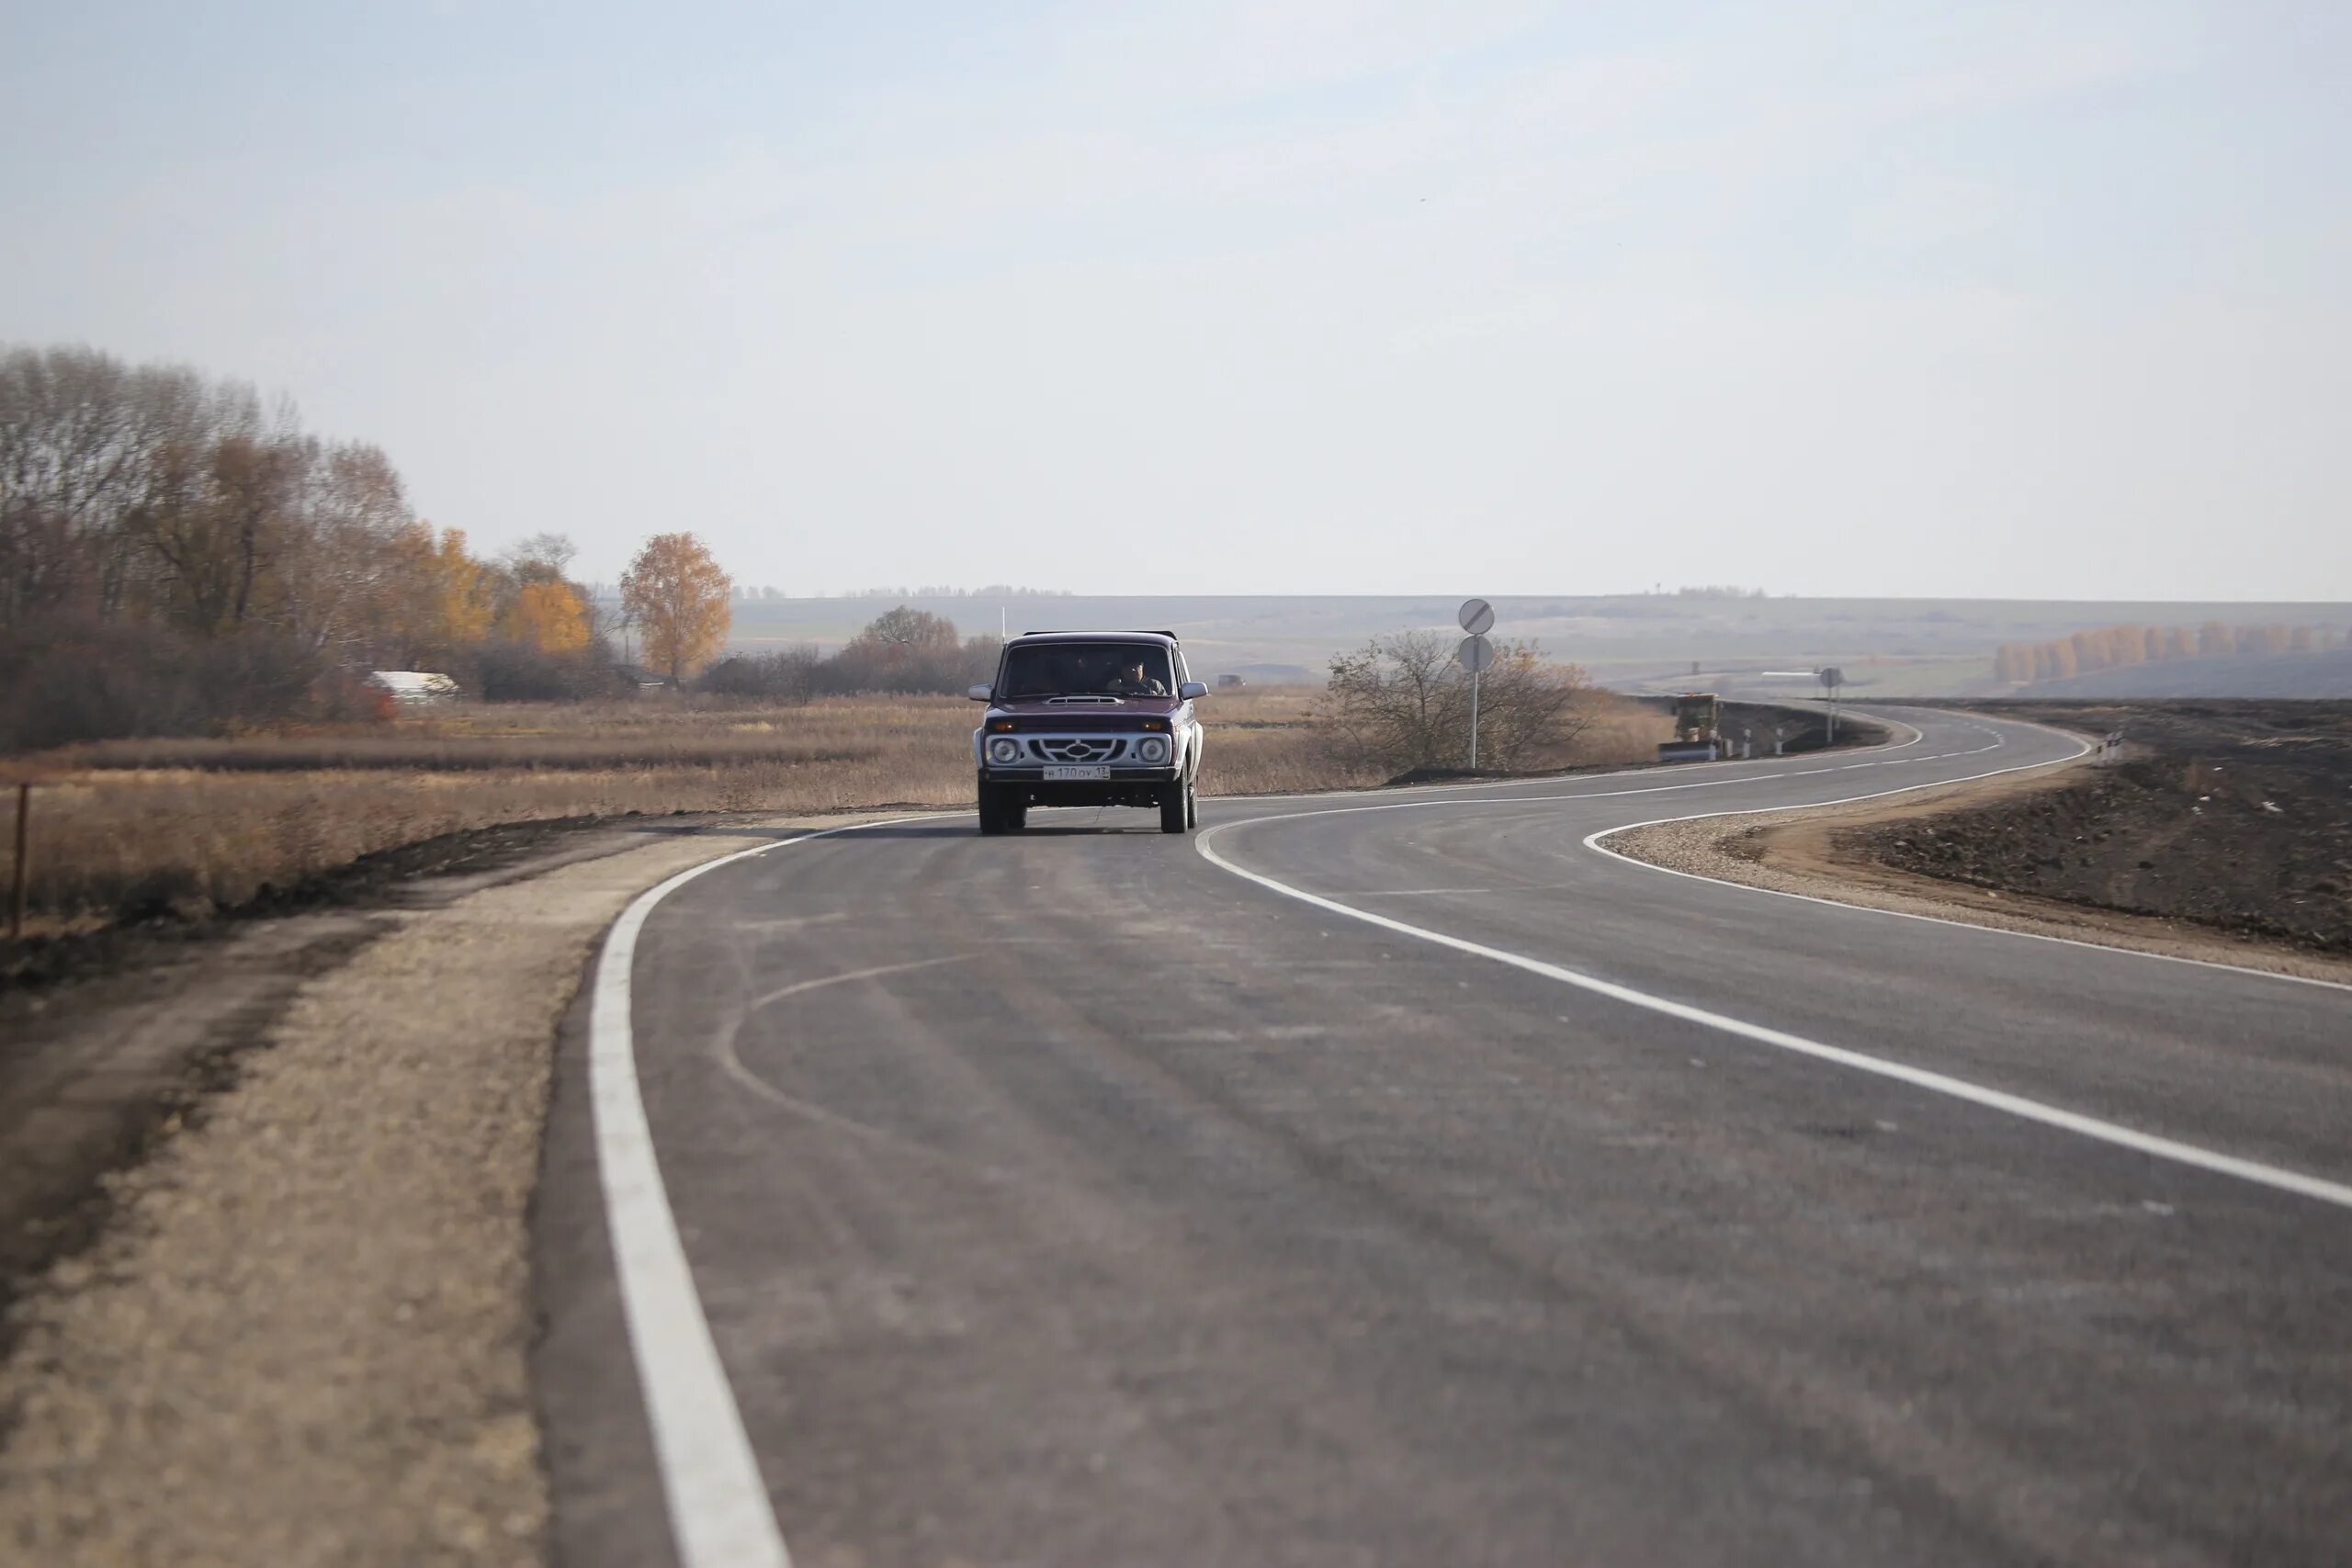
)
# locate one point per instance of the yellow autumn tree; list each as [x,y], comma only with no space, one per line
[447,598]
[549,616]
[463,591]
[678,597]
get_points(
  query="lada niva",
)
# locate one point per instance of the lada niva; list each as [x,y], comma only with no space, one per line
[1088,719]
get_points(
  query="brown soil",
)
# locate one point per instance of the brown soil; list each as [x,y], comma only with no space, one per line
[319,1288]
[112,1040]
[2231,815]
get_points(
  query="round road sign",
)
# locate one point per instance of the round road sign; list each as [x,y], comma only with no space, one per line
[1833,677]
[1476,654]
[1478,617]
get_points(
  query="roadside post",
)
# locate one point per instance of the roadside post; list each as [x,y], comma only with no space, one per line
[24,843]
[1477,655]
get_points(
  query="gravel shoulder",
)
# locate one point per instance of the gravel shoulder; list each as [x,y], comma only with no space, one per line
[1825,852]
[301,1333]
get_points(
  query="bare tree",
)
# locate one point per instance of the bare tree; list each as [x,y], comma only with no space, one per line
[1394,703]
[1532,712]
[1401,703]
[337,576]
[541,558]
[77,432]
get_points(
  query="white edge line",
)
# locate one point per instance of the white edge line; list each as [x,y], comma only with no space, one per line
[1594,842]
[719,1512]
[2034,1110]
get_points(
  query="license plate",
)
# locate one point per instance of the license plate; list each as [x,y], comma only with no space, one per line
[1069,774]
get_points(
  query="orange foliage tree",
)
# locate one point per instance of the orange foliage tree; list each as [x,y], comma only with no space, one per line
[449,598]
[678,596]
[549,616]
[2110,648]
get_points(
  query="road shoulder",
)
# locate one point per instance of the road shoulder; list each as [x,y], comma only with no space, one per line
[319,1288]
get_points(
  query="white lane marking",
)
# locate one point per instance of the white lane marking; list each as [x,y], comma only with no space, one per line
[1958,1089]
[731,1061]
[1446,892]
[1596,842]
[720,1513]
[822,981]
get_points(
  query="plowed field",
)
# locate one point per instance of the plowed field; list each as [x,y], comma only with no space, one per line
[2236,814]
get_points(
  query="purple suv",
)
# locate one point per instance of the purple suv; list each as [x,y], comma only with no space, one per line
[1088,719]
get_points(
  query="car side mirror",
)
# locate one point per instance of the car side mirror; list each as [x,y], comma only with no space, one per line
[980,693]
[1191,690]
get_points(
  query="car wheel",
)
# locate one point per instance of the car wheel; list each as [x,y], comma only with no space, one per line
[1174,812]
[1192,803]
[1001,809]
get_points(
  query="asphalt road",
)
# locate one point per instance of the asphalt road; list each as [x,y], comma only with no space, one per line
[1091,1197]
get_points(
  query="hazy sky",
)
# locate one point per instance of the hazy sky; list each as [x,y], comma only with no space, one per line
[2043,299]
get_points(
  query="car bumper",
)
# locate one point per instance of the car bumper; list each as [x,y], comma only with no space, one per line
[1123,786]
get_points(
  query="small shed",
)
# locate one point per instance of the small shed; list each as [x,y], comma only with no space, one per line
[411,688]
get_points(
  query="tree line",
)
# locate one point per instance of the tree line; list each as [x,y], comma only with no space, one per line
[992,591]
[2112,648]
[902,650]
[177,556]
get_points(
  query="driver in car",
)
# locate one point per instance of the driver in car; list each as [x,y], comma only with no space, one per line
[1132,679]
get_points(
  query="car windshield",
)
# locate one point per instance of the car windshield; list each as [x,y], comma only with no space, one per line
[1060,669]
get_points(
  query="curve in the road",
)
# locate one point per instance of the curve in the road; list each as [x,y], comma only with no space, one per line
[1601,845]
[1938,1083]
[718,1505]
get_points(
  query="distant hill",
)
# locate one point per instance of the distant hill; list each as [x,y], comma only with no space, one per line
[1889,647]
[2224,675]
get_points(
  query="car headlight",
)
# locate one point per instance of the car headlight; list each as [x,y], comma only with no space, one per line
[1152,750]
[1004,751]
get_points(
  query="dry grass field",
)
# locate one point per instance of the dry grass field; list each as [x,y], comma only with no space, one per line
[138,828]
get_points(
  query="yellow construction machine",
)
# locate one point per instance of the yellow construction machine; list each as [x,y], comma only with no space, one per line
[1698,735]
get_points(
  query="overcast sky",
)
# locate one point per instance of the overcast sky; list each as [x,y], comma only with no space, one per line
[1273,295]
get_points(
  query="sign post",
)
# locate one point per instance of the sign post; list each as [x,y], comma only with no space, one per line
[1477,655]
[24,849]
[1832,678]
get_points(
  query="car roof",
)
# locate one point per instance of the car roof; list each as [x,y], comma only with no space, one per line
[1166,637]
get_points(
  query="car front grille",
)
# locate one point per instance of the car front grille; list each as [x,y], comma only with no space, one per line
[1079,748]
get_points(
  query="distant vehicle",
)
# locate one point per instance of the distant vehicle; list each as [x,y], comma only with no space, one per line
[1088,719]
[1229,682]
[1698,734]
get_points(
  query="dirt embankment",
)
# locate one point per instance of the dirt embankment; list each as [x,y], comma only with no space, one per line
[2232,814]
[2157,851]
[300,1334]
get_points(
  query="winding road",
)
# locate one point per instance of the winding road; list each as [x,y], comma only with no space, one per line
[1407,1179]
